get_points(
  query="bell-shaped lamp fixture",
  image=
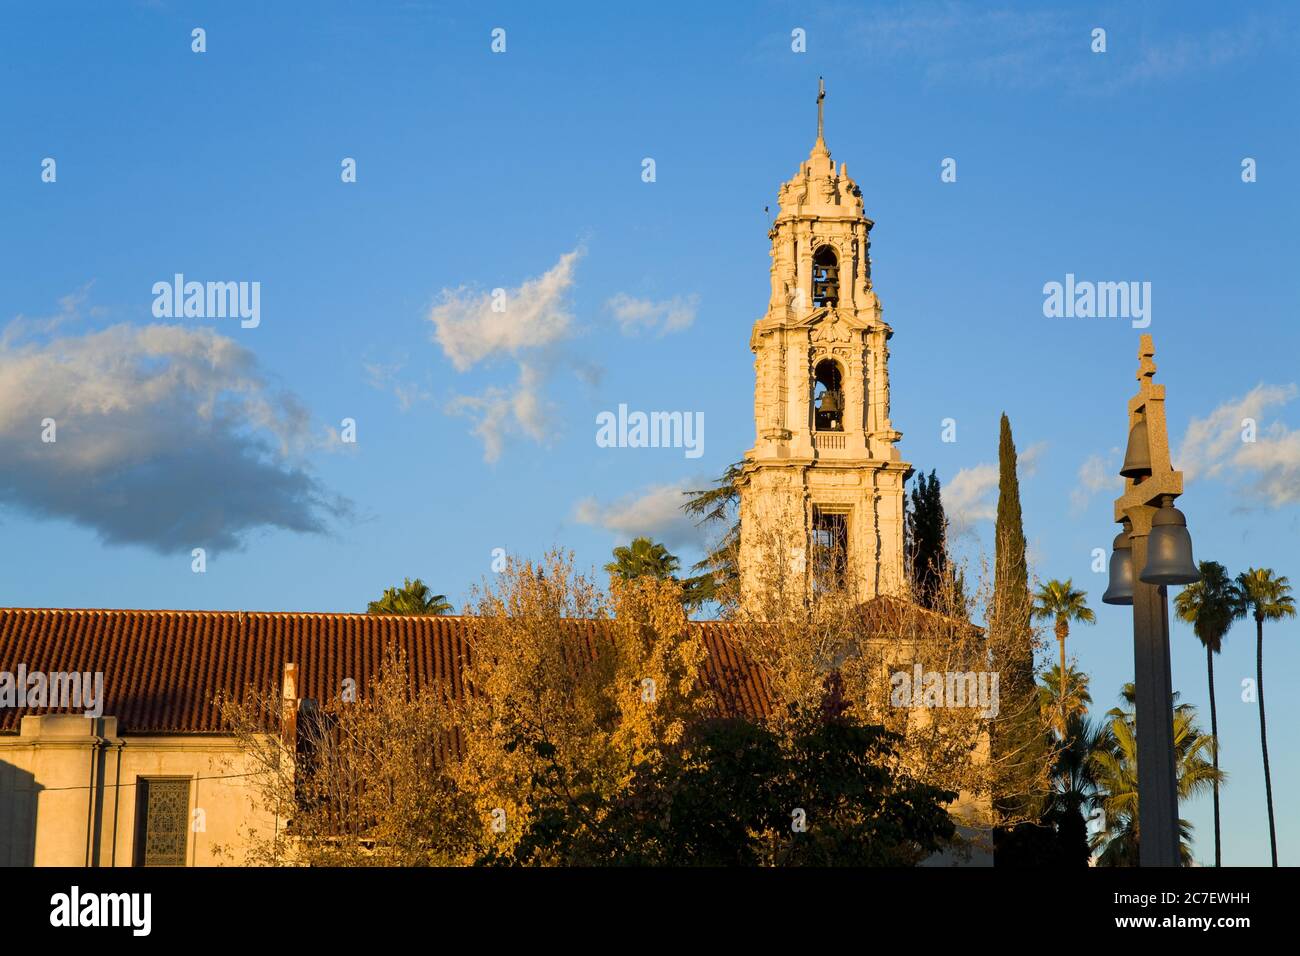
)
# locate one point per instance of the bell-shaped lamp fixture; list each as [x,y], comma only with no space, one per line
[1120,590]
[1137,460]
[1169,549]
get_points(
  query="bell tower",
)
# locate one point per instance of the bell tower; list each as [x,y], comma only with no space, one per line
[821,491]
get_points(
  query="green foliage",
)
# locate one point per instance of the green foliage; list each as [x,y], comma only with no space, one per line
[1075,794]
[643,558]
[1114,765]
[1059,602]
[413,597]
[1012,573]
[646,558]
[1266,597]
[720,568]
[727,795]
[1019,742]
[927,555]
[1210,605]
[1077,696]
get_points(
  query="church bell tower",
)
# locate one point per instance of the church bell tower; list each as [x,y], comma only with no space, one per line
[821,491]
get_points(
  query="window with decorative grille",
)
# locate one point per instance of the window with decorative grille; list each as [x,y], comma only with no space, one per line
[162,821]
[830,548]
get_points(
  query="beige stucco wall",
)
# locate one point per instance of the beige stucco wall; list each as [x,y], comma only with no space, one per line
[68,792]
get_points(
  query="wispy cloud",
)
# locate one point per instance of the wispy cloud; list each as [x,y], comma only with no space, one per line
[655,512]
[525,324]
[1098,473]
[1015,47]
[1266,470]
[500,412]
[669,315]
[387,377]
[167,437]
[969,497]
[1027,460]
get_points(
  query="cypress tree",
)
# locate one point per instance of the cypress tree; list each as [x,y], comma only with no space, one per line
[1012,575]
[1018,740]
[926,556]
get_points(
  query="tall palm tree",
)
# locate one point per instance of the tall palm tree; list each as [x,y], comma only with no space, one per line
[643,557]
[413,597]
[1115,769]
[1209,606]
[1266,598]
[1059,601]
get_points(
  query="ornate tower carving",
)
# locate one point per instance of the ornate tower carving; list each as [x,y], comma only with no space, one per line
[821,492]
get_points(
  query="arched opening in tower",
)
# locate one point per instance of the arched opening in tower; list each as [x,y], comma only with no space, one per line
[828,397]
[825,278]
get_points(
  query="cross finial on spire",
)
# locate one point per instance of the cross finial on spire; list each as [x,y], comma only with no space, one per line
[821,95]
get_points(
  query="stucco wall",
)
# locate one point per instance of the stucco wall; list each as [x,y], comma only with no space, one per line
[68,787]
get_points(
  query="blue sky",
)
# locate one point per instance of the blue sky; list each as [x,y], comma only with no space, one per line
[523,171]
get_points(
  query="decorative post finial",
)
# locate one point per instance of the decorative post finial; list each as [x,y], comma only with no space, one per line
[821,95]
[1146,359]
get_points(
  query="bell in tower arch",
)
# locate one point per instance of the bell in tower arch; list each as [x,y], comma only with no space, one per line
[828,397]
[826,278]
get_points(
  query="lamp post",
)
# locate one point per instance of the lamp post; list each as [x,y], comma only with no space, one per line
[1153,551]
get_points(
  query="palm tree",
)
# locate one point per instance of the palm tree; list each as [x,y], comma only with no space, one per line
[413,597]
[1077,697]
[1209,606]
[1267,598]
[709,506]
[1059,601]
[1115,768]
[1074,791]
[643,557]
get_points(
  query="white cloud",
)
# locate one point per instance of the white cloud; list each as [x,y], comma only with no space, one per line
[71,309]
[1098,473]
[531,316]
[969,497]
[655,512]
[670,315]
[166,436]
[1027,460]
[532,323]
[1267,469]
[500,412]
[387,378]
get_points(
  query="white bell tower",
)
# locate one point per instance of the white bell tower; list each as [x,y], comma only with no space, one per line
[821,491]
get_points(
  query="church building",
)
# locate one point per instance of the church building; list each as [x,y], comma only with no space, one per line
[153,776]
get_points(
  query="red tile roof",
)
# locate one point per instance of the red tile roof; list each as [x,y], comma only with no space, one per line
[163,670]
